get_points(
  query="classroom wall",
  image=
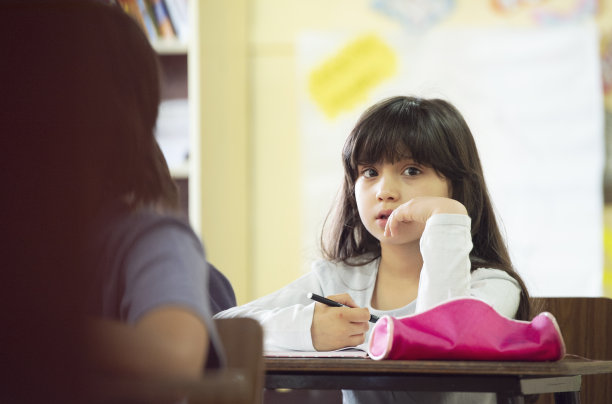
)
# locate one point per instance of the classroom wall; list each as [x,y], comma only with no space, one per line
[218,98]
[278,252]
[251,182]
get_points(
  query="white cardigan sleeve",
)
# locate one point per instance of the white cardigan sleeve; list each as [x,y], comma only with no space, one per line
[445,245]
[285,315]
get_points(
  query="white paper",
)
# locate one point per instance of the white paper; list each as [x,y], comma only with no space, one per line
[340,353]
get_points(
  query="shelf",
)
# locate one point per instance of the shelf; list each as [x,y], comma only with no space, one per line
[172,127]
[170,47]
[180,171]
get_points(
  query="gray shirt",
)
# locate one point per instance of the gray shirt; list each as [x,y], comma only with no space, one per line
[144,260]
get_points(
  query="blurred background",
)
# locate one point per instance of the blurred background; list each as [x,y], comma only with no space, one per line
[259,96]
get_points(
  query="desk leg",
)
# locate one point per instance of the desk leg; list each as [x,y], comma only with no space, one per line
[510,399]
[568,397]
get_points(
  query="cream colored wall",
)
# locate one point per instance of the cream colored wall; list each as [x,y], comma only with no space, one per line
[249,140]
[247,111]
[275,139]
[219,112]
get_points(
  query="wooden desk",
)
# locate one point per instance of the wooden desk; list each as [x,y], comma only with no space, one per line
[511,381]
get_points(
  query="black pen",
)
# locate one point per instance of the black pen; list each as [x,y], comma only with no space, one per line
[333,303]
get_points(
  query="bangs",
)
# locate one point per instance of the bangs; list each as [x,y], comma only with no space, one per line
[395,132]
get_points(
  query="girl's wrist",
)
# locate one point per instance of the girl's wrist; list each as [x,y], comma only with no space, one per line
[452,207]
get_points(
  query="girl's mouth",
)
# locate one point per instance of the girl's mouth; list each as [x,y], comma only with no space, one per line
[382,217]
[384,214]
[381,222]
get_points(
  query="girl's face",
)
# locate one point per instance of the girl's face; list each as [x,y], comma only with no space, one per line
[382,187]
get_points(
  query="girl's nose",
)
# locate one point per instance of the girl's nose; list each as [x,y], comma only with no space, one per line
[387,190]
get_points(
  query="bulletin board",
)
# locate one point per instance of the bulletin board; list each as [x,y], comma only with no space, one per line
[533,99]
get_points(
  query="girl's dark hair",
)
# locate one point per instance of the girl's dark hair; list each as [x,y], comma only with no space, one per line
[432,132]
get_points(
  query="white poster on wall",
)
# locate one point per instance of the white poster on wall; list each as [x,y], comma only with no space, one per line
[533,99]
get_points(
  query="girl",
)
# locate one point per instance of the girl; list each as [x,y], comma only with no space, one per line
[413,226]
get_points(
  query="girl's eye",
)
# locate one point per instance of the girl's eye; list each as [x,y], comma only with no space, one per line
[369,172]
[412,171]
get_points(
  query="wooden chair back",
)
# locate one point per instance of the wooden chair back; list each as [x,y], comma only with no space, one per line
[243,343]
[586,326]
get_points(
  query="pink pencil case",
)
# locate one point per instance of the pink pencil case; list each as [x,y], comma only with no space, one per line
[466,329]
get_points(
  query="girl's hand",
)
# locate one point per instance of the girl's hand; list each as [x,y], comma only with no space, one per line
[338,327]
[420,209]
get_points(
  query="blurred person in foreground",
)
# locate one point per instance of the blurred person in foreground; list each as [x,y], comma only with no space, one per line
[102,280]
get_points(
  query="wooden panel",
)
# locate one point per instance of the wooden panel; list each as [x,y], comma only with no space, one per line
[504,385]
[288,396]
[586,325]
[328,366]
[243,343]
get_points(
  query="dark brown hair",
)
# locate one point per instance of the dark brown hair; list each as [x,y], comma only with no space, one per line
[118,56]
[433,133]
[92,83]
[78,98]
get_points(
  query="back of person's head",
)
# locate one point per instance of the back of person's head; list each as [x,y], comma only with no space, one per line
[86,83]
[431,132]
[79,97]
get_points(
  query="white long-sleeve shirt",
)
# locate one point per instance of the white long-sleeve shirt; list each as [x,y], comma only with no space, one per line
[286,315]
